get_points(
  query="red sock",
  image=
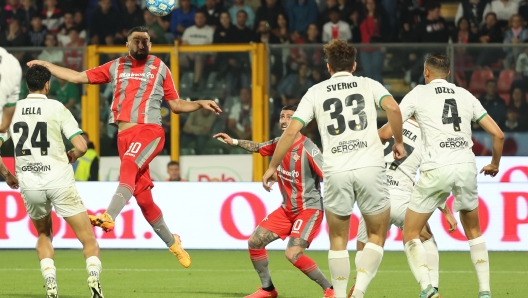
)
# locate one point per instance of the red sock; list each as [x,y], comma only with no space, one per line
[258,255]
[151,211]
[305,264]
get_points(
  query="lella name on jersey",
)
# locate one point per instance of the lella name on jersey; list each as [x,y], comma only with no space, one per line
[349,146]
[35,167]
[31,111]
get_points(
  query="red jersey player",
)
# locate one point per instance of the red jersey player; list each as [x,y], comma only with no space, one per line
[301,213]
[140,82]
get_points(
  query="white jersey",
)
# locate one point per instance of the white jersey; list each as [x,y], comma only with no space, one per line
[40,155]
[10,77]
[444,113]
[401,174]
[344,107]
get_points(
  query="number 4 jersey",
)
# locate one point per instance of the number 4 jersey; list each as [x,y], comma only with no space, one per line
[40,155]
[344,107]
[444,113]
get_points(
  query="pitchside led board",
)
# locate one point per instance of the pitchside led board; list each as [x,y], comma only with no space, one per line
[222,215]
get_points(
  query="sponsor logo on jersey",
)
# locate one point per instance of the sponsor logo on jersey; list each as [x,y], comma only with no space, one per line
[455,143]
[391,181]
[349,146]
[35,167]
[296,157]
[315,151]
[152,67]
[136,76]
[287,175]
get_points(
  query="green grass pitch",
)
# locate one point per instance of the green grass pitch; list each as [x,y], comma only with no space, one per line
[219,273]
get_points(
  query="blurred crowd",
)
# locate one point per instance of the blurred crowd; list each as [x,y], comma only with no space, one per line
[498,76]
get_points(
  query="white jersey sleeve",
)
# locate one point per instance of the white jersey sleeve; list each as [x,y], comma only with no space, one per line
[69,126]
[379,91]
[478,110]
[305,110]
[408,105]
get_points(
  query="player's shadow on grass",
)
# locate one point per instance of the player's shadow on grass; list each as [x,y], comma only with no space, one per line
[223,294]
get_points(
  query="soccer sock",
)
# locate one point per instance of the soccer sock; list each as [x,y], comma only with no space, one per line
[47,267]
[153,215]
[339,263]
[310,268]
[127,181]
[94,266]
[417,258]
[259,258]
[479,257]
[358,256]
[433,261]
[367,267]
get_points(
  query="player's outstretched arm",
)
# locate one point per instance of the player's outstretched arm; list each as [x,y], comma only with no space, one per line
[183,106]
[7,116]
[63,73]
[11,180]
[80,146]
[244,144]
[395,121]
[489,125]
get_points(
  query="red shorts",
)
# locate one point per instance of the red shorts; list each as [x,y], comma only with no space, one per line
[304,225]
[141,143]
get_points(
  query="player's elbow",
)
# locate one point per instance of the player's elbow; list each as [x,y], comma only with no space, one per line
[499,135]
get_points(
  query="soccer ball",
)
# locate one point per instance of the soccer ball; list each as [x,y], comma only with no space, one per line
[160,7]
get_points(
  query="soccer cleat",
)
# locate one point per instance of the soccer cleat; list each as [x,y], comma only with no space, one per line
[104,221]
[51,288]
[485,294]
[260,293]
[177,250]
[329,293]
[430,292]
[95,287]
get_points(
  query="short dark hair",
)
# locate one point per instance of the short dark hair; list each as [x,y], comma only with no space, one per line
[173,163]
[340,55]
[36,16]
[242,11]
[289,108]
[142,29]
[439,61]
[432,5]
[36,77]
[199,11]
[491,81]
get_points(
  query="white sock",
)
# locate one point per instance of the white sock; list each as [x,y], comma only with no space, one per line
[47,267]
[417,258]
[358,256]
[94,266]
[433,261]
[339,263]
[367,266]
[479,257]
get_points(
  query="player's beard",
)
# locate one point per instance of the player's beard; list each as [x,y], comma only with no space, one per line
[141,55]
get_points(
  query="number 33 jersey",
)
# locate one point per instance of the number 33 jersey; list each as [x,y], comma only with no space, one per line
[344,107]
[444,113]
[40,155]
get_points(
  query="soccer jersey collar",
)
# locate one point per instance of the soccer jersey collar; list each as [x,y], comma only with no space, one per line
[36,96]
[438,81]
[342,74]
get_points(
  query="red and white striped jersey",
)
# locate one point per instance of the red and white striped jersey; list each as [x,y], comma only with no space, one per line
[139,87]
[299,175]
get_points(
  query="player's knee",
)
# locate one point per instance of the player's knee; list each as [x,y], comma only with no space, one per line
[293,254]
[254,243]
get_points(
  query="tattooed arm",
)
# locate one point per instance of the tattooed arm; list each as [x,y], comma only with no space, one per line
[249,145]
[261,238]
[244,144]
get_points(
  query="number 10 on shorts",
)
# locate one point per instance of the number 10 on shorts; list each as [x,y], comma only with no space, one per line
[133,149]
[297,226]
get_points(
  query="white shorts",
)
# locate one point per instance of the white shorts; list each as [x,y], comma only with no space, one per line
[367,186]
[398,205]
[66,201]
[10,77]
[436,185]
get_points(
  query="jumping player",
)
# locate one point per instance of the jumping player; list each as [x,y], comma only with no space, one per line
[46,178]
[444,113]
[140,81]
[301,213]
[354,170]
[10,77]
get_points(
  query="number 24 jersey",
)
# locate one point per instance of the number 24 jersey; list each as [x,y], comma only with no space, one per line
[344,107]
[40,156]
[444,113]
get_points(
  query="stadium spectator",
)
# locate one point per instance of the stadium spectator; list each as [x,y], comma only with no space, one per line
[28,11]
[243,34]
[493,103]
[373,30]
[503,9]
[14,36]
[182,18]
[105,21]
[37,32]
[282,29]
[198,3]
[224,33]
[489,33]
[355,23]
[264,34]
[513,122]
[52,16]
[295,85]
[64,30]
[301,13]
[212,11]
[88,166]
[78,18]
[156,32]
[346,8]
[50,53]
[239,121]
[433,29]
[173,169]
[335,28]
[324,16]
[518,101]
[12,10]
[74,59]
[269,11]
[523,10]
[198,34]
[473,11]
[521,66]
[68,94]
[131,16]
[412,13]
[463,35]
[197,129]
[516,34]
[238,6]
